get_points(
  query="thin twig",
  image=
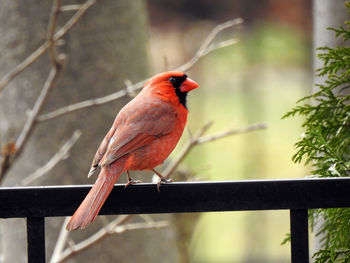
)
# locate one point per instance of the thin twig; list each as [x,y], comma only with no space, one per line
[60,256]
[45,46]
[228,132]
[136,226]
[88,242]
[114,227]
[55,10]
[66,8]
[199,138]
[185,150]
[204,49]
[61,241]
[23,65]
[28,126]
[60,155]
[74,19]
[219,45]
[82,105]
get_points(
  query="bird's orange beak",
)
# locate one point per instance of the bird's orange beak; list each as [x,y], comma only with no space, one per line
[188,85]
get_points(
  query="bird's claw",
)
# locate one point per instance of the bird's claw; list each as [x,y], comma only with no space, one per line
[131,182]
[163,180]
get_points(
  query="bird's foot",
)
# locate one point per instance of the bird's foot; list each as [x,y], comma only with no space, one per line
[163,180]
[131,182]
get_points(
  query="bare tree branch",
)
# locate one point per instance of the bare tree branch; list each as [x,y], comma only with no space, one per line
[62,154]
[51,32]
[30,122]
[204,49]
[114,227]
[229,132]
[61,241]
[82,105]
[28,126]
[23,65]
[46,45]
[192,141]
[74,19]
[61,256]
[66,8]
[136,226]
[199,138]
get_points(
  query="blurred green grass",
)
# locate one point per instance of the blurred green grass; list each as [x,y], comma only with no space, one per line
[257,80]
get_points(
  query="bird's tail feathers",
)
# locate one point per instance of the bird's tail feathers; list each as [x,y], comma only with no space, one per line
[93,202]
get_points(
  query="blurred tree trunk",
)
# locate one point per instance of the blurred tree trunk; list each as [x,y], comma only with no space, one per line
[106,47]
[326,13]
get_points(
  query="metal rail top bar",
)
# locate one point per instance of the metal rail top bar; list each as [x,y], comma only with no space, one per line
[45,201]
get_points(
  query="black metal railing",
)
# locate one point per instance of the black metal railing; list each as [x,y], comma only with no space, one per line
[36,203]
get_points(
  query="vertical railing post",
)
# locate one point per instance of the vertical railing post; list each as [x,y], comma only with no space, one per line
[299,229]
[36,239]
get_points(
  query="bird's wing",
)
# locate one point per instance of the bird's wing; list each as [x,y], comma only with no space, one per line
[144,122]
[103,147]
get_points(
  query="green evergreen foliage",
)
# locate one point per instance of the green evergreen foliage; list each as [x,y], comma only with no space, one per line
[326,143]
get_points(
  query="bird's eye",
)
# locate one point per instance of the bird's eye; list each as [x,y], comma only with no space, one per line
[172,80]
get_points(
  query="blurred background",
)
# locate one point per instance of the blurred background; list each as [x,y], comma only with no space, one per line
[257,80]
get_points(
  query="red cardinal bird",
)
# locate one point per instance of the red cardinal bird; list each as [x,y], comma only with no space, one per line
[144,133]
